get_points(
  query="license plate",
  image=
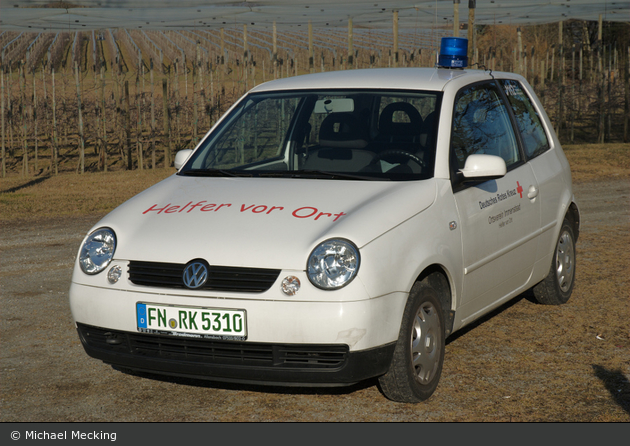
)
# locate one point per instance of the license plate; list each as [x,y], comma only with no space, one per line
[207,323]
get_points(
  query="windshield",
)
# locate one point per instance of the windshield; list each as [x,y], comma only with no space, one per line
[360,135]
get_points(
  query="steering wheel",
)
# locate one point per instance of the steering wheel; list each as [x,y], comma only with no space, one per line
[395,153]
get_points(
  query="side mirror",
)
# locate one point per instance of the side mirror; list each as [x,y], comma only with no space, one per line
[483,168]
[181,157]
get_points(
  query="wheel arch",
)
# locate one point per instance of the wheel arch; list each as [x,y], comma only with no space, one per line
[573,214]
[441,280]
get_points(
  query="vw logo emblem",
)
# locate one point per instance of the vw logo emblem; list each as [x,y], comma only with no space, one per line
[195,275]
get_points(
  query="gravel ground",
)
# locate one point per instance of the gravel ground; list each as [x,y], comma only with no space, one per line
[524,362]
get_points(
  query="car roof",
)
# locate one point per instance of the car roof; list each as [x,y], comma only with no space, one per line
[432,79]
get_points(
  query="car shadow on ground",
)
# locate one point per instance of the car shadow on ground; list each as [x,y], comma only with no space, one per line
[298,389]
[526,295]
[617,384]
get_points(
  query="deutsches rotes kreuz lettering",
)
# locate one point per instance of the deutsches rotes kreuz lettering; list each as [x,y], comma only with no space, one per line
[498,198]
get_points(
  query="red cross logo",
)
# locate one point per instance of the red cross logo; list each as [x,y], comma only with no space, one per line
[519,189]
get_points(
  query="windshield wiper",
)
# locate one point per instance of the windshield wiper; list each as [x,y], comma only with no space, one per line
[214,173]
[303,173]
[310,173]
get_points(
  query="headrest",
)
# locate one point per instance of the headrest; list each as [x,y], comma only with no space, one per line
[387,125]
[342,130]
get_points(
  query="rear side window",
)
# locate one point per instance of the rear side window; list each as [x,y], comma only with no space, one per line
[529,123]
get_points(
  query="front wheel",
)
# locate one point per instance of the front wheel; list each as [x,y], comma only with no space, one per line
[418,357]
[556,288]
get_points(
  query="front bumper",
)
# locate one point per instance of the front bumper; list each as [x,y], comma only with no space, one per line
[244,362]
[288,342]
[360,322]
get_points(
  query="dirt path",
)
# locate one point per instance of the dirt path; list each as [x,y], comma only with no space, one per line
[524,362]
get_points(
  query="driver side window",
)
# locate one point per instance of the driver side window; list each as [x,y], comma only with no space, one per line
[481,125]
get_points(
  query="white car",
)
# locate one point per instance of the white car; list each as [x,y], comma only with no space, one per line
[335,227]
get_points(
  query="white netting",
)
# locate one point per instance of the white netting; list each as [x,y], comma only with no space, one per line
[375,14]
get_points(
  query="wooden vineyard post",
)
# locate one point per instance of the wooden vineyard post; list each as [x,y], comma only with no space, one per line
[98,113]
[456,18]
[275,51]
[519,54]
[45,98]
[197,89]
[579,96]
[81,166]
[25,171]
[553,62]
[245,58]
[202,91]
[103,120]
[600,82]
[625,64]
[139,153]
[350,44]
[4,168]
[176,81]
[10,110]
[542,81]
[166,125]
[223,64]
[311,66]
[609,78]
[572,134]
[128,126]
[472,4]
[144,101]
[212,96]
[185,82]
[625,68]
[35,120]
[395,32]
[560,76]
[152,119]
[195,105]
[55,145]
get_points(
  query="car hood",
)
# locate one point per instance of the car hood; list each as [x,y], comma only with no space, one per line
[258,222]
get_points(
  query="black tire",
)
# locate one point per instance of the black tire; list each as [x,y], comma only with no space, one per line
[418,357]
[556,288]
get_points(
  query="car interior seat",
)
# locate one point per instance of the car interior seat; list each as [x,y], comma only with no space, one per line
[393,129]
[342,142]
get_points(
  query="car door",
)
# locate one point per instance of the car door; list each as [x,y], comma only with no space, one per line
[499,222]
[545,163]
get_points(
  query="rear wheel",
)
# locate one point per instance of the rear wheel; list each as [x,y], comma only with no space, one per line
[556,288]
[416,365]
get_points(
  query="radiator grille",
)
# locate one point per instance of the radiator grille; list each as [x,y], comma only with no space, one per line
[220,278]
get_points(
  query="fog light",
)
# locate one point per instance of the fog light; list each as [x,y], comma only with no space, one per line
[114,274]
[290,285]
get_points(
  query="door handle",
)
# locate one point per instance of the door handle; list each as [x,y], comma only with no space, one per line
[532,192]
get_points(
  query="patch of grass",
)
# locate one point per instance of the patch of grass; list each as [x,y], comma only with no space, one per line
[72,194]
[590,162]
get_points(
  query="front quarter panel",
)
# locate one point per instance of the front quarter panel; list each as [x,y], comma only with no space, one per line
[395,260]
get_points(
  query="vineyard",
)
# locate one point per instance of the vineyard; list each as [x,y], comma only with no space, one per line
[117,99]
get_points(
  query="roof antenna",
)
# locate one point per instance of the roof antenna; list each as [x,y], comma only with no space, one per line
[484,68]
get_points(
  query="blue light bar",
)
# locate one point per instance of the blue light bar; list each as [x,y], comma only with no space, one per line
[453,52]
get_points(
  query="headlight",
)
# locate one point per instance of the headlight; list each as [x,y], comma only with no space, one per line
[97,251]
[333,264]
